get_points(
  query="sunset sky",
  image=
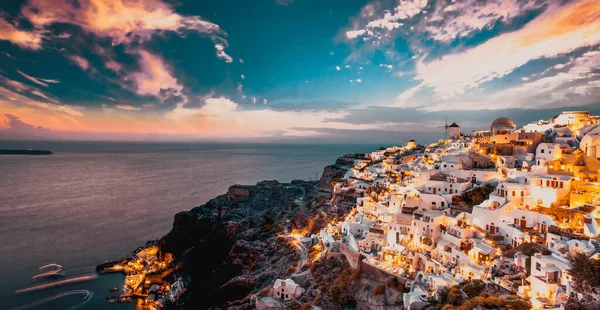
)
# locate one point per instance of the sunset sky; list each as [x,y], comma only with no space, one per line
[290,69]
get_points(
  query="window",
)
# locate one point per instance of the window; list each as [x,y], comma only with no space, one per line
[538,266]
[513,193]
[542,151]
[522,193]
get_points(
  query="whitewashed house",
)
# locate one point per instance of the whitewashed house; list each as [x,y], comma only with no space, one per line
[287,289]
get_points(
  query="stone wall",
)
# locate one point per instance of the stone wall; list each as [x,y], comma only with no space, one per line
[353,257]
[377,274]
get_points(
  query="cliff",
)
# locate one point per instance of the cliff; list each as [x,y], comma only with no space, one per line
[330,173]
[230,251]
[234,245]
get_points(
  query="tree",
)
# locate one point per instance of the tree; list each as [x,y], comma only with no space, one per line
[585,271]
[379,290]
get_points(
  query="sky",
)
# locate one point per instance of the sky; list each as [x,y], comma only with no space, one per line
[298,70]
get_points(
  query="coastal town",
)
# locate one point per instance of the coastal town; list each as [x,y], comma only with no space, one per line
[506,207]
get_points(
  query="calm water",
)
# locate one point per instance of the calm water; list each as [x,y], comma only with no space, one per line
[97,201]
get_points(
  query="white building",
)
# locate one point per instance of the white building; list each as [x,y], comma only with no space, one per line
[287,289]
[590,145]
[548,272]
[454,131]
[446,185]
[548,189]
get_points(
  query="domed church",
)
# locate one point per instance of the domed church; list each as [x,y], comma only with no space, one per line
[502,125]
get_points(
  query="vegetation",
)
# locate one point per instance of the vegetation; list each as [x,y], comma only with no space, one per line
[585,271]
[477,294]
[473,197]
[379,290]
[393,282]
[564,217]
[334,275]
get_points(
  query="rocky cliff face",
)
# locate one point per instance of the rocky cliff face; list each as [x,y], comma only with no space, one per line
[234,246]
[331,173]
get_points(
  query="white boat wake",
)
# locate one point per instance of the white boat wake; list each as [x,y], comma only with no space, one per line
[57,283]
[47,299]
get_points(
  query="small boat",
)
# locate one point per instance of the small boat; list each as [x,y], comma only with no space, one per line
[111,301]
[114,289]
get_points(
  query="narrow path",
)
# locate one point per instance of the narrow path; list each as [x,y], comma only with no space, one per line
[303,257]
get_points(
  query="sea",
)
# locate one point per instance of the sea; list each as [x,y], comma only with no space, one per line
[92,202]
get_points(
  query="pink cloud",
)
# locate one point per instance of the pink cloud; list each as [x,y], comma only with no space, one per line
[559,30]
[127,107]
[154,77]
[22,94]
[113,65]
[39,81]
[124,21]
[24,39]
[79,61]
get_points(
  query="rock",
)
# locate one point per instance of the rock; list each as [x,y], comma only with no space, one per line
[237,193]
[330,173]
[272,183]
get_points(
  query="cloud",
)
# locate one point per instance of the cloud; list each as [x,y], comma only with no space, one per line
[79,61]
[18,93]
[113,65]
[353,34]
[463,18]
[40,94]
[24,39]
[154,78]
[39,81]
[578,80]
[124,21]
[370,25]
[127,107]
[221,53]
[15,123]
[218,106]
[561,29]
